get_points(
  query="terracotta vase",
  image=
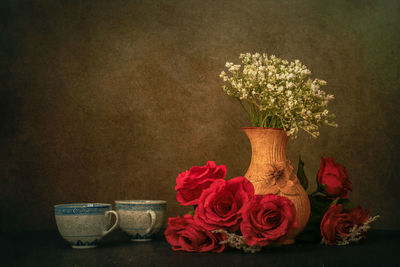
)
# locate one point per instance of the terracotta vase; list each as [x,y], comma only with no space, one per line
[271,172]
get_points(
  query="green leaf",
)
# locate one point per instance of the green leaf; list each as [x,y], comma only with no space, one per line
[301,174]
[335,201]
[319,204]
[346,204]
[312,232]
[321,188]
[191,212]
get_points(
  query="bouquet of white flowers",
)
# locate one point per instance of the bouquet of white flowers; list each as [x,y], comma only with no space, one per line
[279,94]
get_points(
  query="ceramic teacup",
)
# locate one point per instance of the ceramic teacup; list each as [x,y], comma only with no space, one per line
[83,225]
[141,219]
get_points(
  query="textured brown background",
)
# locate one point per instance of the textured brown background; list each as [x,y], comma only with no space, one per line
[106,100]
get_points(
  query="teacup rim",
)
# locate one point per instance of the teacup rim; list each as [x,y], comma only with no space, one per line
[83,205]
[141,202]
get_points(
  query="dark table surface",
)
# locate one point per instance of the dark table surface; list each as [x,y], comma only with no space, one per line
[382,248]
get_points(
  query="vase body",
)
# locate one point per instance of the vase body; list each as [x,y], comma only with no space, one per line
[271,173]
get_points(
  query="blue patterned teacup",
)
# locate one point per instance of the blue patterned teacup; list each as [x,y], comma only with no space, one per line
[141,219]
[83,225]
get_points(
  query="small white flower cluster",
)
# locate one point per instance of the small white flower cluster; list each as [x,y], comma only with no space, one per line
[237,241]
[356,233]
[278,93]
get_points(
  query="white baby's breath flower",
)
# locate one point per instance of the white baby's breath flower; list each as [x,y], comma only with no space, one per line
[237,241]
[282,92]
[322,82]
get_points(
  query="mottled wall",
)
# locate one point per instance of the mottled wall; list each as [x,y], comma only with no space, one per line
[106,100]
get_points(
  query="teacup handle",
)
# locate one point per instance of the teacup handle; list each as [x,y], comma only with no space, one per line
[115,224]
[153,217]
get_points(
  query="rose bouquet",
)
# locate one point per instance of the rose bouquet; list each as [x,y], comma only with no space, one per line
[279,94]
[228,213]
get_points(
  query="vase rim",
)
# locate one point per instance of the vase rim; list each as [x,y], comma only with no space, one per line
[266,128]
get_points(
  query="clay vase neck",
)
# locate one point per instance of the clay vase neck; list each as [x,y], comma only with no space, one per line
[268,144]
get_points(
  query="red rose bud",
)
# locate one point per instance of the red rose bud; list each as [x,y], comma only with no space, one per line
[267,219]
[337,224]
[221,204]
[184,234]
[334,177]
[190,184]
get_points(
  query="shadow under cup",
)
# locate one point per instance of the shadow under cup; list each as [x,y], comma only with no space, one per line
[142,220]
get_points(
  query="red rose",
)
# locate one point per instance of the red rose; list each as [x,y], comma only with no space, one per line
[335,177]
[190,184]
[267,219]
[185,234]
[337,224]
[221,204]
